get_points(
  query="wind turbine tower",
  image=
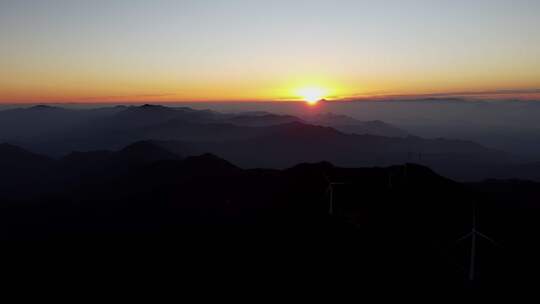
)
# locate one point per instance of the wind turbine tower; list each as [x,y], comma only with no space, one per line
[330,191]
[474,235]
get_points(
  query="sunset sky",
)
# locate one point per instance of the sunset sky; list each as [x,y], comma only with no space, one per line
[132,50]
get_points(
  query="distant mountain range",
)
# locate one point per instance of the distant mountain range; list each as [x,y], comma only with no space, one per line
[342,123]
[250,139]
[32,123]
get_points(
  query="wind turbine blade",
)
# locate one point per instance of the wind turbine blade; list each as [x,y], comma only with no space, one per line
[466,236]
[486,237]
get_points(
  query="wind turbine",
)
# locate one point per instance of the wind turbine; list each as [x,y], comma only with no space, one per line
[330,191]
[390,174]
[390,184]
[474,235]
[406,166]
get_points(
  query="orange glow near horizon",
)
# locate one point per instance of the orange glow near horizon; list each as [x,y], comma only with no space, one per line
[310,94]
[191,51]
[41,86]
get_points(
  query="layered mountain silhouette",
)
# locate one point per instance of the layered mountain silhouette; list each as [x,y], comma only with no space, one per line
[350,125]
[249,139]
[284,145]
[259,194]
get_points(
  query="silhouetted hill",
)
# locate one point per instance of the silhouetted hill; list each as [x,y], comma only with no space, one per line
[83,157]
[102,166]
[348,124]
[22,171]
[143,152]
[42,121]
[149,115]
[209,165]
[397,224]
[138,152]
[136,116]
[262,119]
[342,123]
[285,145]
[299,130]
[178,129]
[15,157]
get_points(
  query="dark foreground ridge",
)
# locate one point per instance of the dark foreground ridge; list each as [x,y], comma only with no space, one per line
[203,218]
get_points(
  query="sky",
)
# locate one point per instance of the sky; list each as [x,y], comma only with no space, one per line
[235,50]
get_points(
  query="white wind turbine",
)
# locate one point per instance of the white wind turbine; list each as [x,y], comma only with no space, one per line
[330,191]
[474,235]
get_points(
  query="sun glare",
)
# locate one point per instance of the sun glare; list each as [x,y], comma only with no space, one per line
[312,95]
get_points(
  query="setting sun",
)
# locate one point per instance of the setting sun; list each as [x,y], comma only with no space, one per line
[312,95]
